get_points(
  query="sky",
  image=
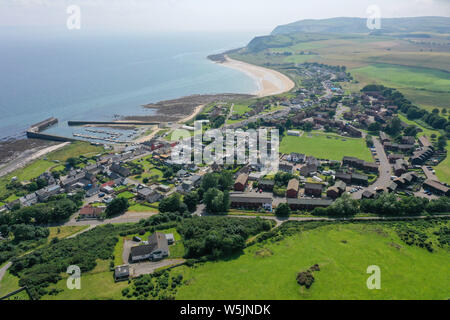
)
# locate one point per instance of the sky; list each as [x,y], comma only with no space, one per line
[259,16]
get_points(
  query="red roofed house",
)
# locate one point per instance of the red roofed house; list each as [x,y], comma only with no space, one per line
[90,212]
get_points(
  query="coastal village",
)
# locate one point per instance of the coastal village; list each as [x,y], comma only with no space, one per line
[143,173]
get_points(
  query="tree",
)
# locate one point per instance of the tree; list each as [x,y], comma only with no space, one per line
[216,201]
[442,142]
[435,111]
[191,200]
[117,206]
[171,203]
[374,127]
[344,206]
[283,210]
[167,172]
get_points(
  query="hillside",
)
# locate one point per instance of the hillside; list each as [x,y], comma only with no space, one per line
[358,25]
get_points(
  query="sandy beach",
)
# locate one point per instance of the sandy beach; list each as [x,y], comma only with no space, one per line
[270,82]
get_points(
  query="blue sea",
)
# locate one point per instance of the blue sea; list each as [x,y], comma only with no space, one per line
[96,75]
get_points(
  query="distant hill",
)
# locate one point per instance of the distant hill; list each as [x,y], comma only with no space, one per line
[359,25]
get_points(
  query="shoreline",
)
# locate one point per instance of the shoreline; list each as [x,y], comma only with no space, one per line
[270,82]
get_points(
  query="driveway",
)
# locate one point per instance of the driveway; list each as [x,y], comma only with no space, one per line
[385,171]
[151,266]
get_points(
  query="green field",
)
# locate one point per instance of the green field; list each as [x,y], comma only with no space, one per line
[427,87]
[97,284]
[343,252]
[320,146]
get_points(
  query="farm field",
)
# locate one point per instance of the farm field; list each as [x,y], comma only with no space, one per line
[343,252]
[318,144]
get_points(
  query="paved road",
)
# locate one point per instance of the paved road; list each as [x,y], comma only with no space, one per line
[385,171]
[129,217]
[4,269]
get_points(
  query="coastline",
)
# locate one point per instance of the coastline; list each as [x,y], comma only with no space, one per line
[270,82]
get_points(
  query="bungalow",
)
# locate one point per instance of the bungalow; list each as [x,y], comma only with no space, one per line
[90,212]
[308,204]
[156,249]
[250,200]
[436,187]
[292,188]
[314,189]
[241,182]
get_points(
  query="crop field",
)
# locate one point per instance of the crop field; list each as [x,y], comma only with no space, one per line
[326,146]
[343,252]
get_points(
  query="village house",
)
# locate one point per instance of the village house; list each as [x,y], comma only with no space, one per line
[250,200]
[360,179]
[117,168]
[241,182]
[307,204]
[45,193]
[421,156]
[292,188]
[336,190]
[296,157]
[156,249]
[285,167]
[313,189]
[266,184]
[308,169]
[436,187]
[90,212]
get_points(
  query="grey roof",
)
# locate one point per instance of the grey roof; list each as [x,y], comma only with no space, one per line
[158,240]
[250,197]
[316,186]
[306,201]
[122,271]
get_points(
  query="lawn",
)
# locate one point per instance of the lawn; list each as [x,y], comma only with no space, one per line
[343,252]
[320,146]
[96,284]
[127,195]
[64,231]
[8,284]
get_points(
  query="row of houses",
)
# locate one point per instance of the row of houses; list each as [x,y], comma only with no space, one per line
[360,164]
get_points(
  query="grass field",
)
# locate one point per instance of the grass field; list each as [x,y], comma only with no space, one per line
[320,146]
[428,88]
[64,231]
[97,284]
[268,271]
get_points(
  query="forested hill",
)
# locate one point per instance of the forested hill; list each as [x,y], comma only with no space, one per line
[359,25]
